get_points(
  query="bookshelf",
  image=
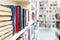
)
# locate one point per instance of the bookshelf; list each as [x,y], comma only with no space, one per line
[27,5]
[49,11]
[57,23]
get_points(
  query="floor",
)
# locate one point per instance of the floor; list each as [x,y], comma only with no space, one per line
[46,34]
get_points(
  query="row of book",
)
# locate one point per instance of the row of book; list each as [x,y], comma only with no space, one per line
[12,20]
[20,18]
[6,27]
[47,13]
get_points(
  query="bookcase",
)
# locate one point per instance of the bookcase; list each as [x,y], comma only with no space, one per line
[48,15]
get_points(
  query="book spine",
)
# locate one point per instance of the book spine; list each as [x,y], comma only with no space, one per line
[24,18]
[20,18]
[12,17]
[16,19]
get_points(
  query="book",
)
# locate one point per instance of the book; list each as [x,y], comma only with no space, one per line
[5,23]
[16,23]
[20,18]
[5,8]
[5,33]
[5,18]
[12,7]
[5,27]
[24,18]
[6,36]
[5,13]
[7,30]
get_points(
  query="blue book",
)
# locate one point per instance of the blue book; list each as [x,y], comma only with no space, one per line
[12,17]
[20,18]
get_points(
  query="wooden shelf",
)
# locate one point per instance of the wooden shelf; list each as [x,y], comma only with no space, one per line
[15,2]
[22,3]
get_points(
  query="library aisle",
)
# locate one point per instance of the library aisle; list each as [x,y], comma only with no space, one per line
[46,34]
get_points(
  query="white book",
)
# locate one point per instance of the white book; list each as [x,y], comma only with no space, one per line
[27,17]
[4,8]
[6,35]
[5,18]
[5,13]
[5,27]
[5,31]
[5,23]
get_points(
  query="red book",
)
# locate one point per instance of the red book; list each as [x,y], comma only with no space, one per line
[16,21]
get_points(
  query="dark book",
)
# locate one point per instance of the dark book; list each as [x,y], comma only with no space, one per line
[24,18]
[20,18]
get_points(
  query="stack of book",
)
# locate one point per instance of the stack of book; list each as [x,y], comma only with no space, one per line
[5,23]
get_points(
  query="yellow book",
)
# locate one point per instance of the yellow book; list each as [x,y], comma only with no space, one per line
[5,23]
[5,27]
[4,8]
[5,18]
[5,13]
